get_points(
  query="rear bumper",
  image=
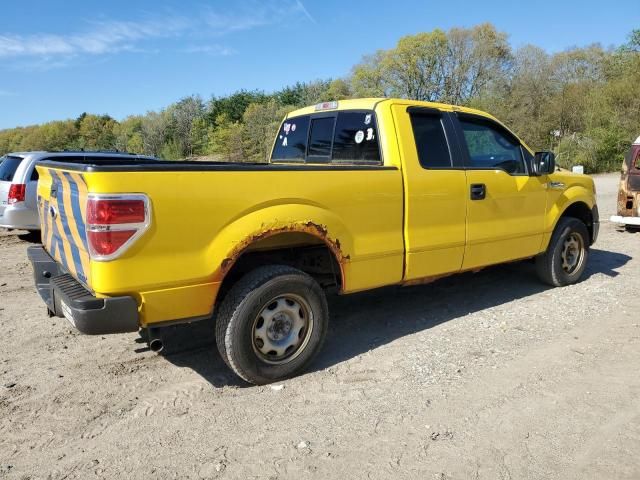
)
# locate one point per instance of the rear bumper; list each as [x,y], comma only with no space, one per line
[20,217]
[66,297]
[626,220]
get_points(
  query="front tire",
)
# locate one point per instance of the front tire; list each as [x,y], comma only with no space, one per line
[271,324]
[566,257]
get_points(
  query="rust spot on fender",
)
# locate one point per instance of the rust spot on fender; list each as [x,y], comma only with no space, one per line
[314,229]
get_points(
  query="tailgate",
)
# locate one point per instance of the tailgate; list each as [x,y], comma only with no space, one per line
[62,200]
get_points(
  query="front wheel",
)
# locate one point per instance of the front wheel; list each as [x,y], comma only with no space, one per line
[271,323]
[565,259]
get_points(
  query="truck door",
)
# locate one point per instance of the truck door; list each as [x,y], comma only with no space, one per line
[435,192]
[506,207]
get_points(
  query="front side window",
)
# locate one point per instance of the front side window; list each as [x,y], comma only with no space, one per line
[8,167]
[431,141]
[490,147]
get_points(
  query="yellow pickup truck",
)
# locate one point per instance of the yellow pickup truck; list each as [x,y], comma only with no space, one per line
[359,194]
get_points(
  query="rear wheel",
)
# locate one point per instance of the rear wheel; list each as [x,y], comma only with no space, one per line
[271,323]
[566,257]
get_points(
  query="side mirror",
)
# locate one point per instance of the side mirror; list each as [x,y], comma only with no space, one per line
[544,163]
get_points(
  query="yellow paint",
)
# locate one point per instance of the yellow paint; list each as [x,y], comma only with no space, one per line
[435,210]
[200,219]
[174,303]
[578,188]
[508,223]
[44,188]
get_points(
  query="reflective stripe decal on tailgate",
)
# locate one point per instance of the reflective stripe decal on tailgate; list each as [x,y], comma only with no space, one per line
[64,223]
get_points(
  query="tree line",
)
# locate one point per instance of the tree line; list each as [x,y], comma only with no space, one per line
[583,103]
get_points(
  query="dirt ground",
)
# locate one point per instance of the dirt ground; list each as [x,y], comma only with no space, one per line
[480,376]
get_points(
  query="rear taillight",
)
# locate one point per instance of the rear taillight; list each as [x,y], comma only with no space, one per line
[114,222]
[17,192]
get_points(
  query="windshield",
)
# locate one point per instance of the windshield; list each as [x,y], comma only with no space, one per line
[8,167]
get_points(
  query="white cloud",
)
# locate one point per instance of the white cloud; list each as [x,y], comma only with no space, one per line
[213,50]
[306,13]
[104,37]
[107,37]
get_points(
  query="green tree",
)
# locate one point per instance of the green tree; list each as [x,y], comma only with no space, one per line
[183,115]
[128,135]
[155,126]
[199,136]
[476,57]
[415,68]
[225,139]
[232,106]
[96,132]
[454,66]
[261,121]
[367,77]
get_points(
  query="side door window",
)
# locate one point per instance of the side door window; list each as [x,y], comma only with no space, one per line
[491,147]
[431,141]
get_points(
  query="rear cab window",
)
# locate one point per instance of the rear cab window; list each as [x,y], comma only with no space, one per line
[321,138]
[348,137]
[8,167]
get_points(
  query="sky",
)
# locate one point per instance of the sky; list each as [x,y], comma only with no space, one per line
[61,58]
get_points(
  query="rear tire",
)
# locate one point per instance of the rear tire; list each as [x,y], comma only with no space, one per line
[271,324]
[566,257]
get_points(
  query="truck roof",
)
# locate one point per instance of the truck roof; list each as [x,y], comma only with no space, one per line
[372,103]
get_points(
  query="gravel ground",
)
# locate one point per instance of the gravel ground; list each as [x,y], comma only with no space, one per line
[483,376]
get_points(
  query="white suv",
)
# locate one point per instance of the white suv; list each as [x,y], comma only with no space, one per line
[19,182]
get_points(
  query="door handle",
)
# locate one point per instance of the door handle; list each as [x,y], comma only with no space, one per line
[478,191]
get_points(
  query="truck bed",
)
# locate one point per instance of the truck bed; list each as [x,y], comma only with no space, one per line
[204,215]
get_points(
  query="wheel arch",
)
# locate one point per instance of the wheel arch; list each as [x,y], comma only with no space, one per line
[320,247]
[575,202]
[582,212]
